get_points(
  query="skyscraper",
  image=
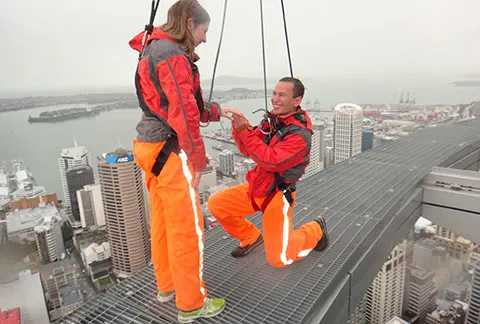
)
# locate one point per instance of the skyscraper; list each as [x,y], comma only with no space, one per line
[227,162]
[473,315]
[77,178]
[385,295]
[69,158]
[91,206]
[347,131]
[420,291]
[48,234]
[125,210]
[317,152]
[367,138]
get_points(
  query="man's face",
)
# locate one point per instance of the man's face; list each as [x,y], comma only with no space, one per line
[282,99]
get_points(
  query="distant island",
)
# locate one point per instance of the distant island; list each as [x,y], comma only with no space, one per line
[467,83]
[105,102]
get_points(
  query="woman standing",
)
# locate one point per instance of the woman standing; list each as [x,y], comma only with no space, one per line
[170,149]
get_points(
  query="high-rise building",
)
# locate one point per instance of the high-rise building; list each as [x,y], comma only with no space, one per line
[358,315]
[473,315]
[385,295]
[48,235]
[61,287]
[420,292]
[227,162]
[125,211]
[367,138]
[69,158]
[347,131]
[329,156]
[77,178]
[317,151]
[91,206]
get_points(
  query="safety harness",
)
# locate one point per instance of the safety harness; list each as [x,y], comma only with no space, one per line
[278,127]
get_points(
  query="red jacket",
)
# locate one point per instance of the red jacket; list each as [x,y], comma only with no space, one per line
[168,85]
[286,153]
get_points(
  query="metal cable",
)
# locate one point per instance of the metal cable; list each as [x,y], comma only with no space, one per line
[286,39]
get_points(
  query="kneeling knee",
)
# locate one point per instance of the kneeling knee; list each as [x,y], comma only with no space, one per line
[276,262]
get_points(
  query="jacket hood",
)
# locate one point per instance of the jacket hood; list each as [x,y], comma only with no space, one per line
[157,33]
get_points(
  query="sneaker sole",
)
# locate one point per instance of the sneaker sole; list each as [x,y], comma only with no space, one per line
[257,243]
[192,319]
[166,299]
[323,226]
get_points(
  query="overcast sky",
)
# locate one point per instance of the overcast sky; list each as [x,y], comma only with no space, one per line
[66,44]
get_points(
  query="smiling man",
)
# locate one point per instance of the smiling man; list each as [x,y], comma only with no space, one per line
[280,146]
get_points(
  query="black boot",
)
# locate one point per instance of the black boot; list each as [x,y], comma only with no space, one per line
[243,251]
[323,243]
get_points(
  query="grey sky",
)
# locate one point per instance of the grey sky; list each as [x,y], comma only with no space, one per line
[66,44]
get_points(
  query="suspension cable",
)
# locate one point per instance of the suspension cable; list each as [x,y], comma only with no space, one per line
[286,39]
[263,61]
[149,26]
[263,55]
[218,50]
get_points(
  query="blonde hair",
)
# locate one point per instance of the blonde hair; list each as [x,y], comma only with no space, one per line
[177,23]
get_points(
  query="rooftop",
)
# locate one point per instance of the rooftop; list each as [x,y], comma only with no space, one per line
[360,198]
[34,310]
[29,218]
[70,295]
[76,152]
[11,316]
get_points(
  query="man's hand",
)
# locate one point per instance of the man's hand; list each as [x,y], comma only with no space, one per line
[239,122]
[196,180]
[230,112]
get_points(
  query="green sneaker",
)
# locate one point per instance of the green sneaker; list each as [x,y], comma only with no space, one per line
[212,307]
[165,296]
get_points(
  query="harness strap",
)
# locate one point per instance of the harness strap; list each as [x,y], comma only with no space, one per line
[171,146]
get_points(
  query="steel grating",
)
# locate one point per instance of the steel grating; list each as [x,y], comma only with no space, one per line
[358,198]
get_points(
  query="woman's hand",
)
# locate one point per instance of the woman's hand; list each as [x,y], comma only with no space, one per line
[228,112]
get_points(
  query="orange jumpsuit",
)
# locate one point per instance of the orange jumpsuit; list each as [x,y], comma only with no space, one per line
[169,93]
[287,154]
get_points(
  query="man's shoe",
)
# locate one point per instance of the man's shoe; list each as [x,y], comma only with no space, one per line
[323,243]
[212,307]
[243,251]
[165,296]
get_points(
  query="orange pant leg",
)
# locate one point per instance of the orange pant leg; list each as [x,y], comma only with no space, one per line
[283,245]
[230,207]
[183,221]
[158,238]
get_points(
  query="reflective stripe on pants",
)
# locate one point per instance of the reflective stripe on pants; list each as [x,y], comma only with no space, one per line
[283,244]
[176,225]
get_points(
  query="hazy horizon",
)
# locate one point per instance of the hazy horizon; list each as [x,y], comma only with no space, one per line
[64,46]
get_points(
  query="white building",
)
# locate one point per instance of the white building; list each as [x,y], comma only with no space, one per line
[21,223]
[48,235]
[347,131]
[227,162]
[473,315]
[317,151]
[91,206]
[97,260]
[385,295]
[69,158]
